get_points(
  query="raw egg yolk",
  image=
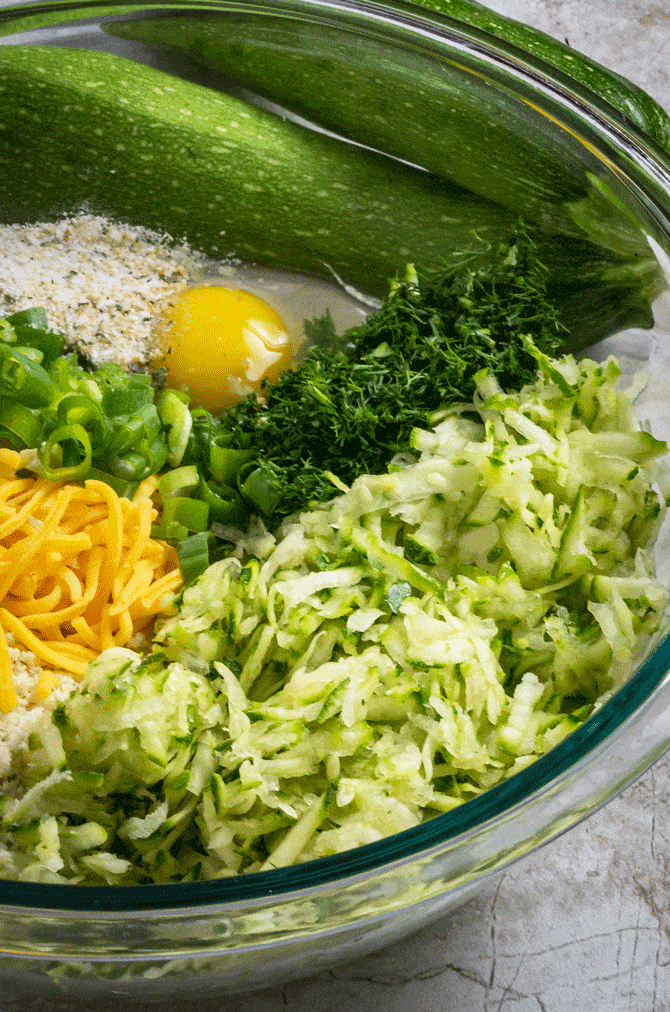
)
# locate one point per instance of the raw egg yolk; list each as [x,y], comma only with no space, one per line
[219,343]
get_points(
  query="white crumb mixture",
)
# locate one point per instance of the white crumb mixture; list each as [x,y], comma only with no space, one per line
[17,725]
[102,284]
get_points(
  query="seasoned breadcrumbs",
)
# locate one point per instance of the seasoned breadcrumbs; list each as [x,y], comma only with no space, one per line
[101,284]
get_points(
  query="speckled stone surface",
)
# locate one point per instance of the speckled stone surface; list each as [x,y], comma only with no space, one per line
[584,924]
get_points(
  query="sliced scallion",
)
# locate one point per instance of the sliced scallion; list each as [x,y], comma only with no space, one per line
[181,481]
[260,490]
[124,489]
[193,514]
[175,416]
[34,317]
[224,462]
[58,440]
[20,425]
[225,504]
[193,556]
[23,379]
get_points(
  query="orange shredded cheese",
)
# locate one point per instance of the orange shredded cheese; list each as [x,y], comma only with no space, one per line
[79,572]
[8,697]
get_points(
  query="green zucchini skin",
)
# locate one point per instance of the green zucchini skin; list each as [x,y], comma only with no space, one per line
[92,130]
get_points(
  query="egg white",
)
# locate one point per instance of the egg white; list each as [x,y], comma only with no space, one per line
[295,296]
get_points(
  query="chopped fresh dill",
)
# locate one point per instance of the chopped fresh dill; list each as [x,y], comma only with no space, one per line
[347,410]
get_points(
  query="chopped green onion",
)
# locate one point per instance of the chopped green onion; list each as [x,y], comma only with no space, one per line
[144,459]
[127,435]
[59,439]
[131,467]
[65,373]
[203,430]
[78,409]
[7,332]
[18,422]
[24,380]
[225,504]
[224,462]
[35,317]
[262,491]
[34,354]
[191,513]
[45,341]
[124,489]
[128,400]
[144,424]
[174,414]
[169,532]
[193,556]
[181,481]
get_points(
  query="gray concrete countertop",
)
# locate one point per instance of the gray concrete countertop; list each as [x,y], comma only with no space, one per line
[584,924]
[629,36]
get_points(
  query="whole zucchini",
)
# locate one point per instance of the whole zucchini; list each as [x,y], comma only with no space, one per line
[459,124]
[404,103]
[632,104]
[94,131]
[83,129]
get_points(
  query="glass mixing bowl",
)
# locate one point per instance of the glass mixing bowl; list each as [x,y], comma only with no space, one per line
[236,934]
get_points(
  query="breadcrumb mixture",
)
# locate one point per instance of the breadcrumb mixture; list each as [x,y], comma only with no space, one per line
[17,725]
[102,284]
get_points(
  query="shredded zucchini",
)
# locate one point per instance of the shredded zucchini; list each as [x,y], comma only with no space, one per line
[383,658]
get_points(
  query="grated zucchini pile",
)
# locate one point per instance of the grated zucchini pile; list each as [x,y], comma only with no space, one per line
[383,658]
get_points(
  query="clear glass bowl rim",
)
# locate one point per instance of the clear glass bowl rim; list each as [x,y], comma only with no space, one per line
[544,774]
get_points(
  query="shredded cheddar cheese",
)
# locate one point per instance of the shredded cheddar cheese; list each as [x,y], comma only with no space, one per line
[79,572]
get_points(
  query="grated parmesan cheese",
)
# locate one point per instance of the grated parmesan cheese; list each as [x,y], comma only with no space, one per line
[102,284]
[17,725]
